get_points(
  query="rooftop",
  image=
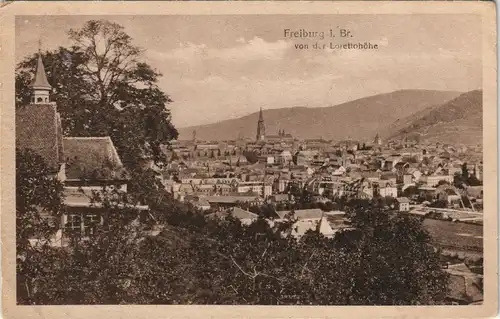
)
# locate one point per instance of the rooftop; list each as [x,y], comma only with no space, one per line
[92,157]
[40,81]
[314,213]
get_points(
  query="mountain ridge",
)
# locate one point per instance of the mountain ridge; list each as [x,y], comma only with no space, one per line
[358,119]
[460,120]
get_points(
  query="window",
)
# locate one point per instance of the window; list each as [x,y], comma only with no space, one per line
[74,222]
[39,99]
[90,221]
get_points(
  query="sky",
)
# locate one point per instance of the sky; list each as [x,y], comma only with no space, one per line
[220,67]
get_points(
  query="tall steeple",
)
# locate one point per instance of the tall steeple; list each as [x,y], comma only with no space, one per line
[41,86]
[261,129]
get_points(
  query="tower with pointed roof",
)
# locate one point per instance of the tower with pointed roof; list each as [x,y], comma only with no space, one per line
[38,124]
[40,85]
[377,140]
[261,128]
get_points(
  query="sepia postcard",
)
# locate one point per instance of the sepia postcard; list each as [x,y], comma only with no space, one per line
[249,159]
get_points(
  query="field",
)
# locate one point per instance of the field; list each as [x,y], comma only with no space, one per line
[456,236]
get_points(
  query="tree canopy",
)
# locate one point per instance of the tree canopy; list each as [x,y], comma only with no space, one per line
[103,88]
[383,260]
[38,207]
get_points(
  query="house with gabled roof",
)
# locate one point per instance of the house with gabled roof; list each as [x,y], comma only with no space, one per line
[83,164]
[246,217]
[305,220]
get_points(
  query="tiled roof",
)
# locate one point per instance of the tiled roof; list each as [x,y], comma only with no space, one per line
[280,197]
[402,200]
[241,213]
[235,212]
[202,203]
[231,199]
[92,158]
[302,213]
[38,127]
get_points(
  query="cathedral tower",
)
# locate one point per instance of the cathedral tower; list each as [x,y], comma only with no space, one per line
[261,129]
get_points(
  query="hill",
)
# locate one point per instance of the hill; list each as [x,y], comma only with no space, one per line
[459,121]
[358,119]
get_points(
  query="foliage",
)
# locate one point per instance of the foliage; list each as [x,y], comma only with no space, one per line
[38,207]
[443,182]
[462,180]
[103,89]
[411,191]
[199,260]
[37,195]
[397,264]
[251,156]
[439,203]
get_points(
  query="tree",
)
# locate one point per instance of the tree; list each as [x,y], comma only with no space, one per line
[411,191]
[38,210]
[198,260]
[329,206]
[383,274]
[443,182]
[102,88]
[461,182]
[439,203]
[465,171]
[92,271]
[251,156]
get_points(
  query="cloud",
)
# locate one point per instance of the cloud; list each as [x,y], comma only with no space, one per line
[257,49]
[254,49]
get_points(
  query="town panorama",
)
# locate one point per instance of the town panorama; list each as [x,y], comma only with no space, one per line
[114,206]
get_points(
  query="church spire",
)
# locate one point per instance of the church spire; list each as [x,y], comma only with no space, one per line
[40,85]
[261,129]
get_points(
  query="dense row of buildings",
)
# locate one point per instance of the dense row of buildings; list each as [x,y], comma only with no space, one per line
[268,167]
